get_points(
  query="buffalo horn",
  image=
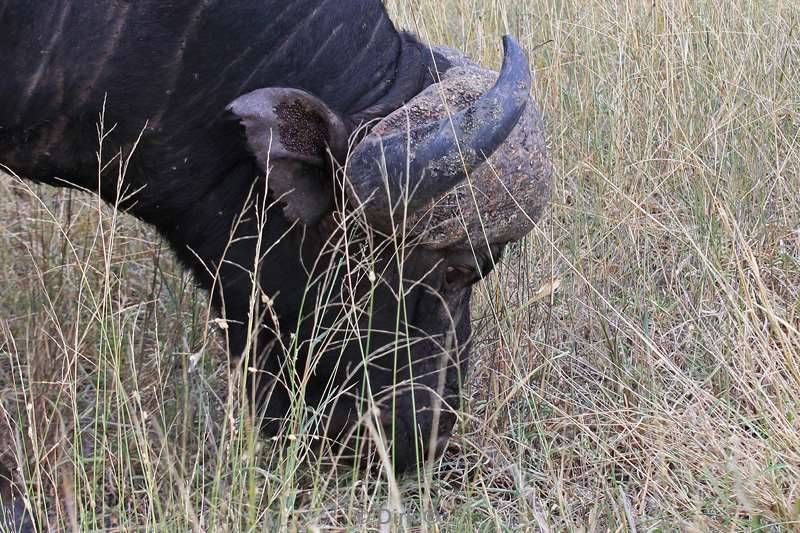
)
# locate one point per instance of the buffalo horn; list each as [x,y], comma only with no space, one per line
[429,159]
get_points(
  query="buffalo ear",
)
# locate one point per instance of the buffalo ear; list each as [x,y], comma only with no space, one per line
[290,132]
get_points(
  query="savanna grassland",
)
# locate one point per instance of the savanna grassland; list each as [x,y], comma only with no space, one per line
[637,358]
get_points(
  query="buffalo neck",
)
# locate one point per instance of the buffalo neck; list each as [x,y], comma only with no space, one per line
[151,80]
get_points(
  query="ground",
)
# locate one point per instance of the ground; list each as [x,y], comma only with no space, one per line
[637,358]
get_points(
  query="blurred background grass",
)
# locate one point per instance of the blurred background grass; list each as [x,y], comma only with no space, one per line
[637,358]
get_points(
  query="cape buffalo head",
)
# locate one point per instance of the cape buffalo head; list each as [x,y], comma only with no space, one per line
[426,203]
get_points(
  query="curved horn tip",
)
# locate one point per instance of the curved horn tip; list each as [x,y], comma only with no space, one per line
[512,48]
[510,44]
[515,62]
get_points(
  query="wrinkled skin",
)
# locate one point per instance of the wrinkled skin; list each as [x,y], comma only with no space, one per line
[167,71]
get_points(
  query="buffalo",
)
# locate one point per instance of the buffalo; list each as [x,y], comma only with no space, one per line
[337,185]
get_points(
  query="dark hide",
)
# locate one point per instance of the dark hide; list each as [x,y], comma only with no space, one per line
[14,518]
[169,70]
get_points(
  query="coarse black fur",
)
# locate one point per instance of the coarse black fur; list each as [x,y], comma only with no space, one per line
[167,71]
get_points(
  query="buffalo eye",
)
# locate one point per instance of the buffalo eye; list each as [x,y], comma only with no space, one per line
[459,276]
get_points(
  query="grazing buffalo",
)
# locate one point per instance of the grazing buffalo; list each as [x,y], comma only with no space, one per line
[337,185]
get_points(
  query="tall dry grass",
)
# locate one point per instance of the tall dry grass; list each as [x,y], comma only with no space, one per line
[637,361]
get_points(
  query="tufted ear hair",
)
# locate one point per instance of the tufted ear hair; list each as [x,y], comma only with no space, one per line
[290,131]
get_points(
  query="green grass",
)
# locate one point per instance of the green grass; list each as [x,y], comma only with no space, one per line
[658,388]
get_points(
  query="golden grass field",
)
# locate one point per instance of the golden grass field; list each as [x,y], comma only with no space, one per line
[637,358]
